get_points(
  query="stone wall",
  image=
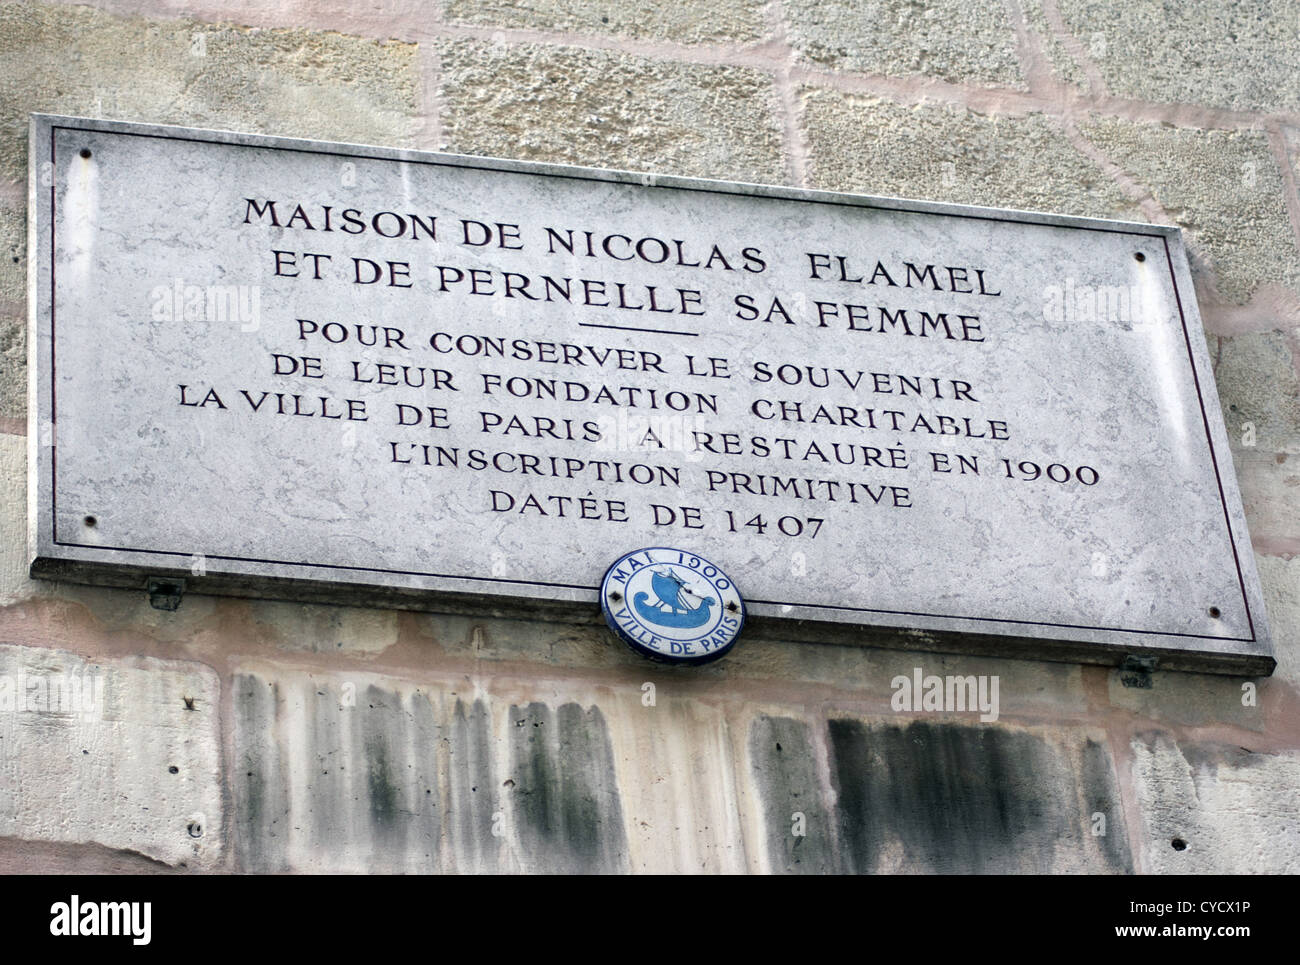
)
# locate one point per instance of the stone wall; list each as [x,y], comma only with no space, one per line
[237,735]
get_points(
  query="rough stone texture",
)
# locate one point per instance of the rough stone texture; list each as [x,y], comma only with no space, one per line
[1064,60]
[339,771]
[1270,491]
[801,832]
[74,60]
[563,792]
[955,40]
[693,21]
[1232,808]
[22,857]
[606,110]
[947,798]
[355,631]
[1222,187]
[1028,689]
[942,153]
[94,765]
[14,584]
[1230,55]
[685,799]
[13,320]
[1194,699]
[1258,384]
[1281,581]
[351,773]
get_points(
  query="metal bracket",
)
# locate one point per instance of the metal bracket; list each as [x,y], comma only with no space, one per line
[1136,671]
[165,594]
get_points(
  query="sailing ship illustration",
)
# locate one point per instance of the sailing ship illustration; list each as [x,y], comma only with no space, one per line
[677,606]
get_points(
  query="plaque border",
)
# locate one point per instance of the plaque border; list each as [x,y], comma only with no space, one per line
[1255,657]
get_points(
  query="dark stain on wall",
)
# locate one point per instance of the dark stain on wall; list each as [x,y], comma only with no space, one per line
[949,798]
[800,833]
[424,779]
[388,819]
[261,807]
[472,789]
[365,788]
[1101,796]
[563,790]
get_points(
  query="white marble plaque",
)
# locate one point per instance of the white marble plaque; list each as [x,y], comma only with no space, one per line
[288,368]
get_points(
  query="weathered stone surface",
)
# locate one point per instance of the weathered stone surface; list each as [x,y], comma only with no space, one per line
[352,772]
[1237,56]
[1270,491]
[687,804]
[589,646]
[800,829]
[115,611]
[13,320]
[588,107]
[563,795]
[21,857]
[925,796]
[75,60]
[1233,811]
[1062,54]
[1281,581]
[693,21]
[1027,689]
[110,752]
[356,631]
[1222,187]
[1193,699]
[956,40]
[14,584]
[942,153]
[1258,385]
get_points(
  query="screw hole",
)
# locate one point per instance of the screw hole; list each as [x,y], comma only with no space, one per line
[85,152]
[1179,844]
[1215,612]
[1140,257]
[173,769]
[91,521]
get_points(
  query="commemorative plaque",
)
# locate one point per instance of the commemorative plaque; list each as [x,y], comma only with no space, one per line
[276,367]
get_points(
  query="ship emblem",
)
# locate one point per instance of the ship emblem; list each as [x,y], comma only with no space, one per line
[672,605]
